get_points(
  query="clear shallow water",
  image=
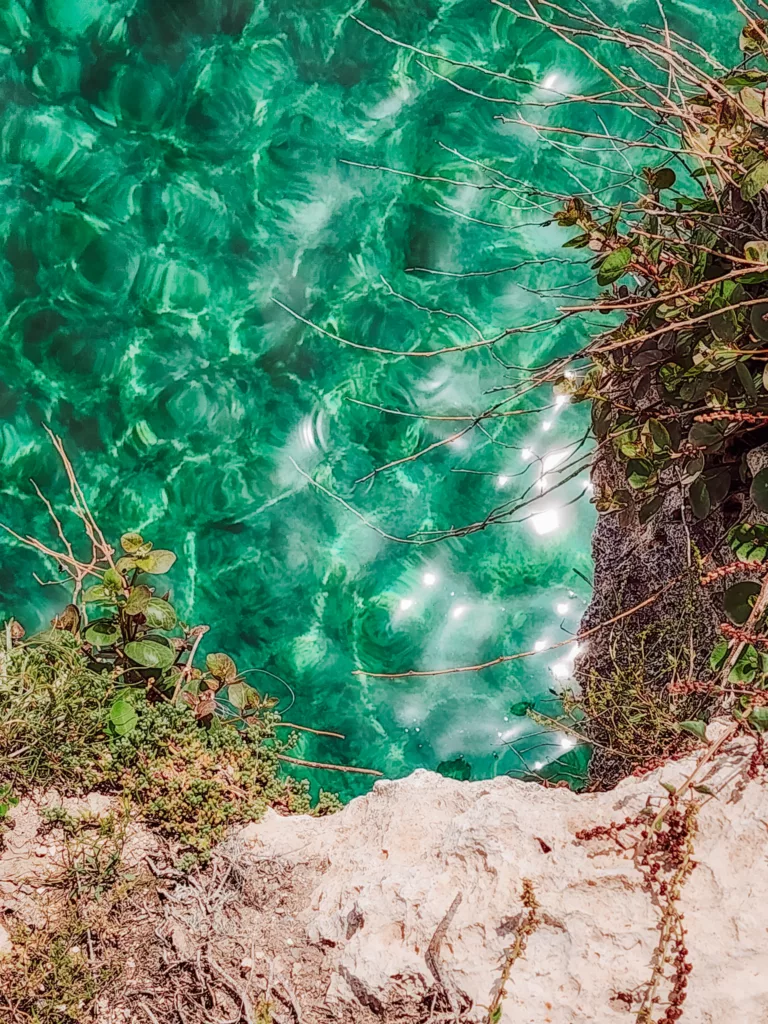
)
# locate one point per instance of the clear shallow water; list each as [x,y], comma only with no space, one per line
[169,170]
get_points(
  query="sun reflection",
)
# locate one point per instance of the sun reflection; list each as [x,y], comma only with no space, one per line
[406,603]
[553,459]
[429,579]
[546,522]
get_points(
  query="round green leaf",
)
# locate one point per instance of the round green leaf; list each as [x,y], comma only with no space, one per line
[221,666]
[699,499]
[102,633]
[745,669]
[131,542]
[160,614]
[650,508]
[708,435]
[758,717]
[237,695]
[719,654]
[614,265]
[758,320]
[151,653]
[98,592]
[138,599]
[754,181]
[749,541]
[693,469]
[125,564]
[718,483]
[758,492]
[123,717]
[660,435]
[113,579]
[739,599]
[641,474]
[156,562]
[696,728]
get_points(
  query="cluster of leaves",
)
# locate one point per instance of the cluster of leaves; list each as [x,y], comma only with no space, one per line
[137,636]
[65,725]
[680,387]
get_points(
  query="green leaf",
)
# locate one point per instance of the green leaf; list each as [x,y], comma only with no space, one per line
[151,653]
[745,669]
[708,435]
[660,435]
[758,492]
[98,592]
[758,320]
[221,666]
[160,614]
[696,728]
[125,564]
[131,542]
[237,695]
[718,655]
[669,787]
[754,181]
[614,265]
[693,469]
[746,381]
[138,599]
[602,416]
[650,508]
[699,499]
[739,599]
[758,717]
[718,484]
[157,562]
[123,717]
[704,790]
[577,242]
[641,474]
[113,579]
[102,633]
[749,541]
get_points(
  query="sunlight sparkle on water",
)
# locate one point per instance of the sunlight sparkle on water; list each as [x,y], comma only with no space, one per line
[546,522]
[429,579]
[406,603]
[552,459]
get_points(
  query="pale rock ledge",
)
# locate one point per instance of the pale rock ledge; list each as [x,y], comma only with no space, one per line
[346,912]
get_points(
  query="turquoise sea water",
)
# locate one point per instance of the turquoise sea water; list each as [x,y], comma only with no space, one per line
[181,193]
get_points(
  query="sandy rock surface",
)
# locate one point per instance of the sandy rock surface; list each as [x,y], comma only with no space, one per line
[403,904]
